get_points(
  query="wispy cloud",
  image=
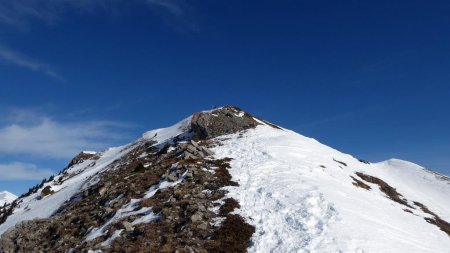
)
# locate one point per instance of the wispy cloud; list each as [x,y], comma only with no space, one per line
[43,136]
[172,6]
[22,171]
[11,57]
[23,12]
[177,13]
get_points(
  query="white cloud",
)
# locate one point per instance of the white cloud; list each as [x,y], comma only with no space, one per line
[20,60]
[21,13]
[44,137]
[22,171]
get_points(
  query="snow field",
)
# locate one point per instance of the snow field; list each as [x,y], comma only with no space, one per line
[299,196]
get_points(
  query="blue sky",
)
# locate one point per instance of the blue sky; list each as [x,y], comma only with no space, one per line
[370,78]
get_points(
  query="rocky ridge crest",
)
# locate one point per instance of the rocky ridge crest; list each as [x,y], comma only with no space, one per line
[167,197]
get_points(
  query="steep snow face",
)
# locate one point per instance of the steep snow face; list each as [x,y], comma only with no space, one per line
[300,196]
[6,198]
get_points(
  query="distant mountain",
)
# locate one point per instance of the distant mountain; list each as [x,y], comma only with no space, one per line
[226,181]
[6,198]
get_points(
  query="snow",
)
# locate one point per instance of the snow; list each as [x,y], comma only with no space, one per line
[298,206]
[109,241]
[89,152]
[132,209]
[240,114]
[33,206]
[85,174]
[293,189]
[163,134]
[126,211]
[6,198]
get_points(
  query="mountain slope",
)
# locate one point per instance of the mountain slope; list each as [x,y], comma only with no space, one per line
[226,181]
[6,198]
[300,197]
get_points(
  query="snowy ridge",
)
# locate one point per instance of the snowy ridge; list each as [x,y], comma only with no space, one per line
[163,134]
[36,206]
[299,195]
[6,198]
[181,128]
[82,175]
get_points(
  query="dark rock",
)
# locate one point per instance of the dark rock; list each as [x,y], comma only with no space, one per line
[81,157]
[226,120]
[364,161]
[47,191]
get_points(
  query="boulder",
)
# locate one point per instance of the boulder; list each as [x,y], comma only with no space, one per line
[226,120]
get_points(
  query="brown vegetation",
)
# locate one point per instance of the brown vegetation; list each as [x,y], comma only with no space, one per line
[232,236]
[229,206]
[436,220]
[360,184]
[390,191]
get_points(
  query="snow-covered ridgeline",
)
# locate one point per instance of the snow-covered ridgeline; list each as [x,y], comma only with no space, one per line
[297,192]
[163,134]
[299,195]
[36,206]
[82,175]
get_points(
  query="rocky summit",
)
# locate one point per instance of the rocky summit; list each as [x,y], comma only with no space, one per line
[226,181]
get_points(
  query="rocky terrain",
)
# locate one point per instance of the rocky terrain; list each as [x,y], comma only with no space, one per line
[159,197]
[227,181]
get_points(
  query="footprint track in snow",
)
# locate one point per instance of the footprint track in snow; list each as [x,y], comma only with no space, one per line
[289,215]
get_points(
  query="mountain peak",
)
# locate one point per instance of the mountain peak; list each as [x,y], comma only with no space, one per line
[207,124]
[6,198]
[226,181]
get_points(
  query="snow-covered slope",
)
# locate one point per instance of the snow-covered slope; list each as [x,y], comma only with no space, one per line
[6,198]
[81,175]
[299,195]
[72,181]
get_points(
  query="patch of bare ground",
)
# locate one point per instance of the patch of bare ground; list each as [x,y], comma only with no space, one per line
[390,191]
[397,197]
[232,236]
[229,206]
[360,184]
[340,162]
[183,211]
[436,220]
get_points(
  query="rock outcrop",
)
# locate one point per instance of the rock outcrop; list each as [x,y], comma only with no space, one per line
[222,121]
